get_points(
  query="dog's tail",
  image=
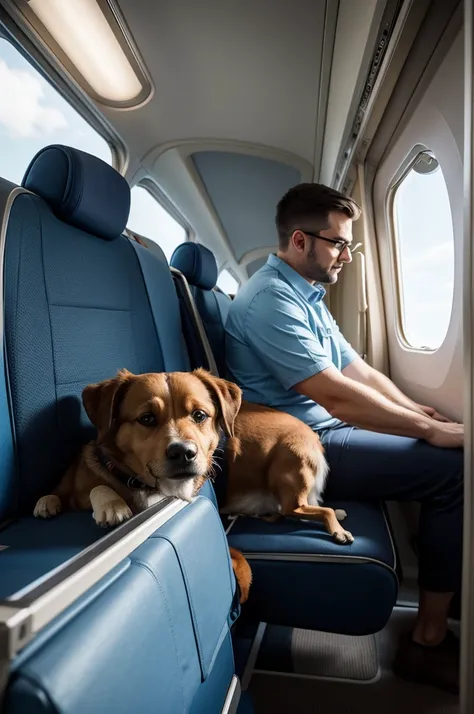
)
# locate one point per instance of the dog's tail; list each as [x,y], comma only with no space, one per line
[242,572]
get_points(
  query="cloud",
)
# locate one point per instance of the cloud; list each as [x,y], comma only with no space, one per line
[438,256]
[22,108]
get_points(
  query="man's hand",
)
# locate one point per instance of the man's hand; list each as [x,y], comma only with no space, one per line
[431,412]
[447,435]
[364,407]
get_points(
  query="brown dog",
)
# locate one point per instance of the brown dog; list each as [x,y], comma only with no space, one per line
[276,467]
[156,436]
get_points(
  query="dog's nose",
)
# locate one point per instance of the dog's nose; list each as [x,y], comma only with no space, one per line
[181,452]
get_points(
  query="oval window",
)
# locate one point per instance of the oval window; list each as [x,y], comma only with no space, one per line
[425,248]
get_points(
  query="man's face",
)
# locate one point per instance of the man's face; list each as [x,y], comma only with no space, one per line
[322,260]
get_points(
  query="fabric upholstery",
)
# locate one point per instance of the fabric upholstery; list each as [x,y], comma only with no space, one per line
[81,189]
[130,643]
[302,578]
[155,631]
[197,264]
[199,267]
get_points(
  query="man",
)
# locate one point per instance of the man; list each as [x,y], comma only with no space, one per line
[285,350]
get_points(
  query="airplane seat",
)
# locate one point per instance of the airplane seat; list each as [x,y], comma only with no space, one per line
[154,629]
[301,577]
[198,265]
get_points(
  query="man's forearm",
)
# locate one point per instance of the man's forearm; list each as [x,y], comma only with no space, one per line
[363,406]
[385,386]
[368,408]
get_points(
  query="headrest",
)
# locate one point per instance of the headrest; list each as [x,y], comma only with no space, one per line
[197,264]
[81,189]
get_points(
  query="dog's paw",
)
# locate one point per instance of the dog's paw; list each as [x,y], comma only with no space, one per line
[47,507]
[343,537]
[340,514]
[112,513]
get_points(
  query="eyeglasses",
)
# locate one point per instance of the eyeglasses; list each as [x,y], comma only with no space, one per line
[339,243]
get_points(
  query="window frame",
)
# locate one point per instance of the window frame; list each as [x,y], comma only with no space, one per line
[394,247]
[157,195]
[46,65]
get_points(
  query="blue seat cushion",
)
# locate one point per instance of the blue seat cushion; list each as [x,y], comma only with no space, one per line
[302,578]
[197,538]
[135,641]
[31,548]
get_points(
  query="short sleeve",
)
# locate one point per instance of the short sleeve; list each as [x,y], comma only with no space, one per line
[277,329]
[348,353]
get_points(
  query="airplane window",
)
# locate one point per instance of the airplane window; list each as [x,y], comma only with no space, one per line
[425,248]
[33,115]
[227,283]
[151,220]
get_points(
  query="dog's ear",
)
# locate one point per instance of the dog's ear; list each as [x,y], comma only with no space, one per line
[227,395]
[101,401]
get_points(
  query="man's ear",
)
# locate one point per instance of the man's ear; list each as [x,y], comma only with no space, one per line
[227,395]
[102,400]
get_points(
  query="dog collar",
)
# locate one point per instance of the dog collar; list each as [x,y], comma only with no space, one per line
[132,482]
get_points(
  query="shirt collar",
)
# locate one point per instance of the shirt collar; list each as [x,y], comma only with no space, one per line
[311,293]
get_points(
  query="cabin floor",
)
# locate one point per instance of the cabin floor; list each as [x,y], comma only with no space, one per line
[303,672]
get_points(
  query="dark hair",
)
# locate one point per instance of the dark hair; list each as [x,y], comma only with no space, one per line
[308,205]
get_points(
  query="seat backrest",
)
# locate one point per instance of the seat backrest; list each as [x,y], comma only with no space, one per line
[195,335]
[81,301]
[199,267]
[76,309]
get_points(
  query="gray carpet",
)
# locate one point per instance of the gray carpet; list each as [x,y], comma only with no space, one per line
[300,693]
[334,656]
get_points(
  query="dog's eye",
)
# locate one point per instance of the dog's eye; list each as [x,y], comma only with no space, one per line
[199,416]
[147,419]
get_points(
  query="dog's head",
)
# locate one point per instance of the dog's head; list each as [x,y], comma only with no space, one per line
[163,428]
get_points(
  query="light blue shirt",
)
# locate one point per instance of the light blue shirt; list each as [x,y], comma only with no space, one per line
[279,332]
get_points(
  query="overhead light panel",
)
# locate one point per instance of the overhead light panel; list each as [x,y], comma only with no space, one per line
[91,35]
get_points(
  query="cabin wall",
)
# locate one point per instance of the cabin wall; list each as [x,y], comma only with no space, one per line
[437,123]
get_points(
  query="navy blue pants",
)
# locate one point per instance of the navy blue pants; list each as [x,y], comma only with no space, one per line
[367,466]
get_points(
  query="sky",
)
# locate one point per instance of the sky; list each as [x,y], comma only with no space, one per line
[227,283]
[33,115]
[426,245]
[150,219]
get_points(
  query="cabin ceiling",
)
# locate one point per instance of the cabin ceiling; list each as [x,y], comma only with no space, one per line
[242,88]
[232,180]
[244,73]
[239,70]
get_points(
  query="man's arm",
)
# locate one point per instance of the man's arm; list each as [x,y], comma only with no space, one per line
[276,328]
[363,373]
[363,406]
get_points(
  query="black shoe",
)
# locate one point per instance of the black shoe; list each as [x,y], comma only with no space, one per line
[438,665]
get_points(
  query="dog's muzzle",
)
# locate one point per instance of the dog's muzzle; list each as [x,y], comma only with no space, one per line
[182,476]
[181,452]
[181,460]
